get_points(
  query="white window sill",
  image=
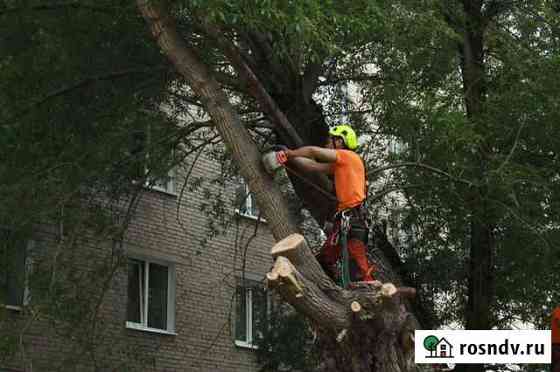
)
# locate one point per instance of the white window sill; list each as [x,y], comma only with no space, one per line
[162,190]
[155,188]
[139,327]
[245,345]
[249,216]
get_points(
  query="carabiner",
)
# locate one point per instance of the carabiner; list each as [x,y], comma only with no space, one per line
[345,221]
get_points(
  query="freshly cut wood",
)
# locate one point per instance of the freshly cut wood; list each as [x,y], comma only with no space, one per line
[307,298]
[388,290]
[286,271]
[283,266]
[355,306]
[272,276]
[288,246]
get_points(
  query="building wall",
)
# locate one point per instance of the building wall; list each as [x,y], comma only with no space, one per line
[206,276]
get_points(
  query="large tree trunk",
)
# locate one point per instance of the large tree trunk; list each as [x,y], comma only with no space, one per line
[308,119]
[293,93]
[481,281]
[365,329]
[285,100]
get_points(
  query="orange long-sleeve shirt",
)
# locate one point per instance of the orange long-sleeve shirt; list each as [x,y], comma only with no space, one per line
[349,179]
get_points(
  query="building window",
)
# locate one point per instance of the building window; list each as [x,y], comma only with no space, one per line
[151,296]
[165,184]
[396,146]
[251,315]
[13,269]
[152,154]
[246,203]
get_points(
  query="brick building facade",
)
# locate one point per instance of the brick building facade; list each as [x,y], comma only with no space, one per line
[179,305]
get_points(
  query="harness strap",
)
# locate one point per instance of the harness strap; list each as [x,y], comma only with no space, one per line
[343,238]
[357,211]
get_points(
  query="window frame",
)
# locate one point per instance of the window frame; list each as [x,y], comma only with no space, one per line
[170,187]
[249,203]
[27,263]
[171,296]
[248,289]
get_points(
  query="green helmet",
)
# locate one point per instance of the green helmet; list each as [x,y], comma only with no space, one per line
[347,134]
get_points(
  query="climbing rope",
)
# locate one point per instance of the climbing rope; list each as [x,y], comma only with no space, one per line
[308,182]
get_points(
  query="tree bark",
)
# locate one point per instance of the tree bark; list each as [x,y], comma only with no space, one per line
[364,329]
[481,280]
[235,136]
[292,93]
[373,339]
[302,110]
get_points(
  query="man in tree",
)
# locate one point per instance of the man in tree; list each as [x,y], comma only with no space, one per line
[555,326]
[347,167]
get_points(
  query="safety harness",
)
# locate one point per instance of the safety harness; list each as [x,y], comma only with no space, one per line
[344,231]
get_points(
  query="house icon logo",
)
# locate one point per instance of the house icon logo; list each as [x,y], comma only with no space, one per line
[438,348]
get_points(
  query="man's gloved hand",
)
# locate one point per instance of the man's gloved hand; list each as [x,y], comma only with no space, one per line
[275,159]
[281,157]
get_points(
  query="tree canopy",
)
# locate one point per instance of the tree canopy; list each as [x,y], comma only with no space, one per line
[466,89]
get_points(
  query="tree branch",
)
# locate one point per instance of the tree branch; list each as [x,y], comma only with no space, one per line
[255,87]
[355,78]
[236,137]
[389,190]
[494,8]
[200,148]
[515,143]
[231,81]
[307,297]
[423,166]
[79,84]
[189,100]
[47,7]
[252,124]
[526,223]
[263,53]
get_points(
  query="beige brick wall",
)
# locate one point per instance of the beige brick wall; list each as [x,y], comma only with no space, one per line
[205,280]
